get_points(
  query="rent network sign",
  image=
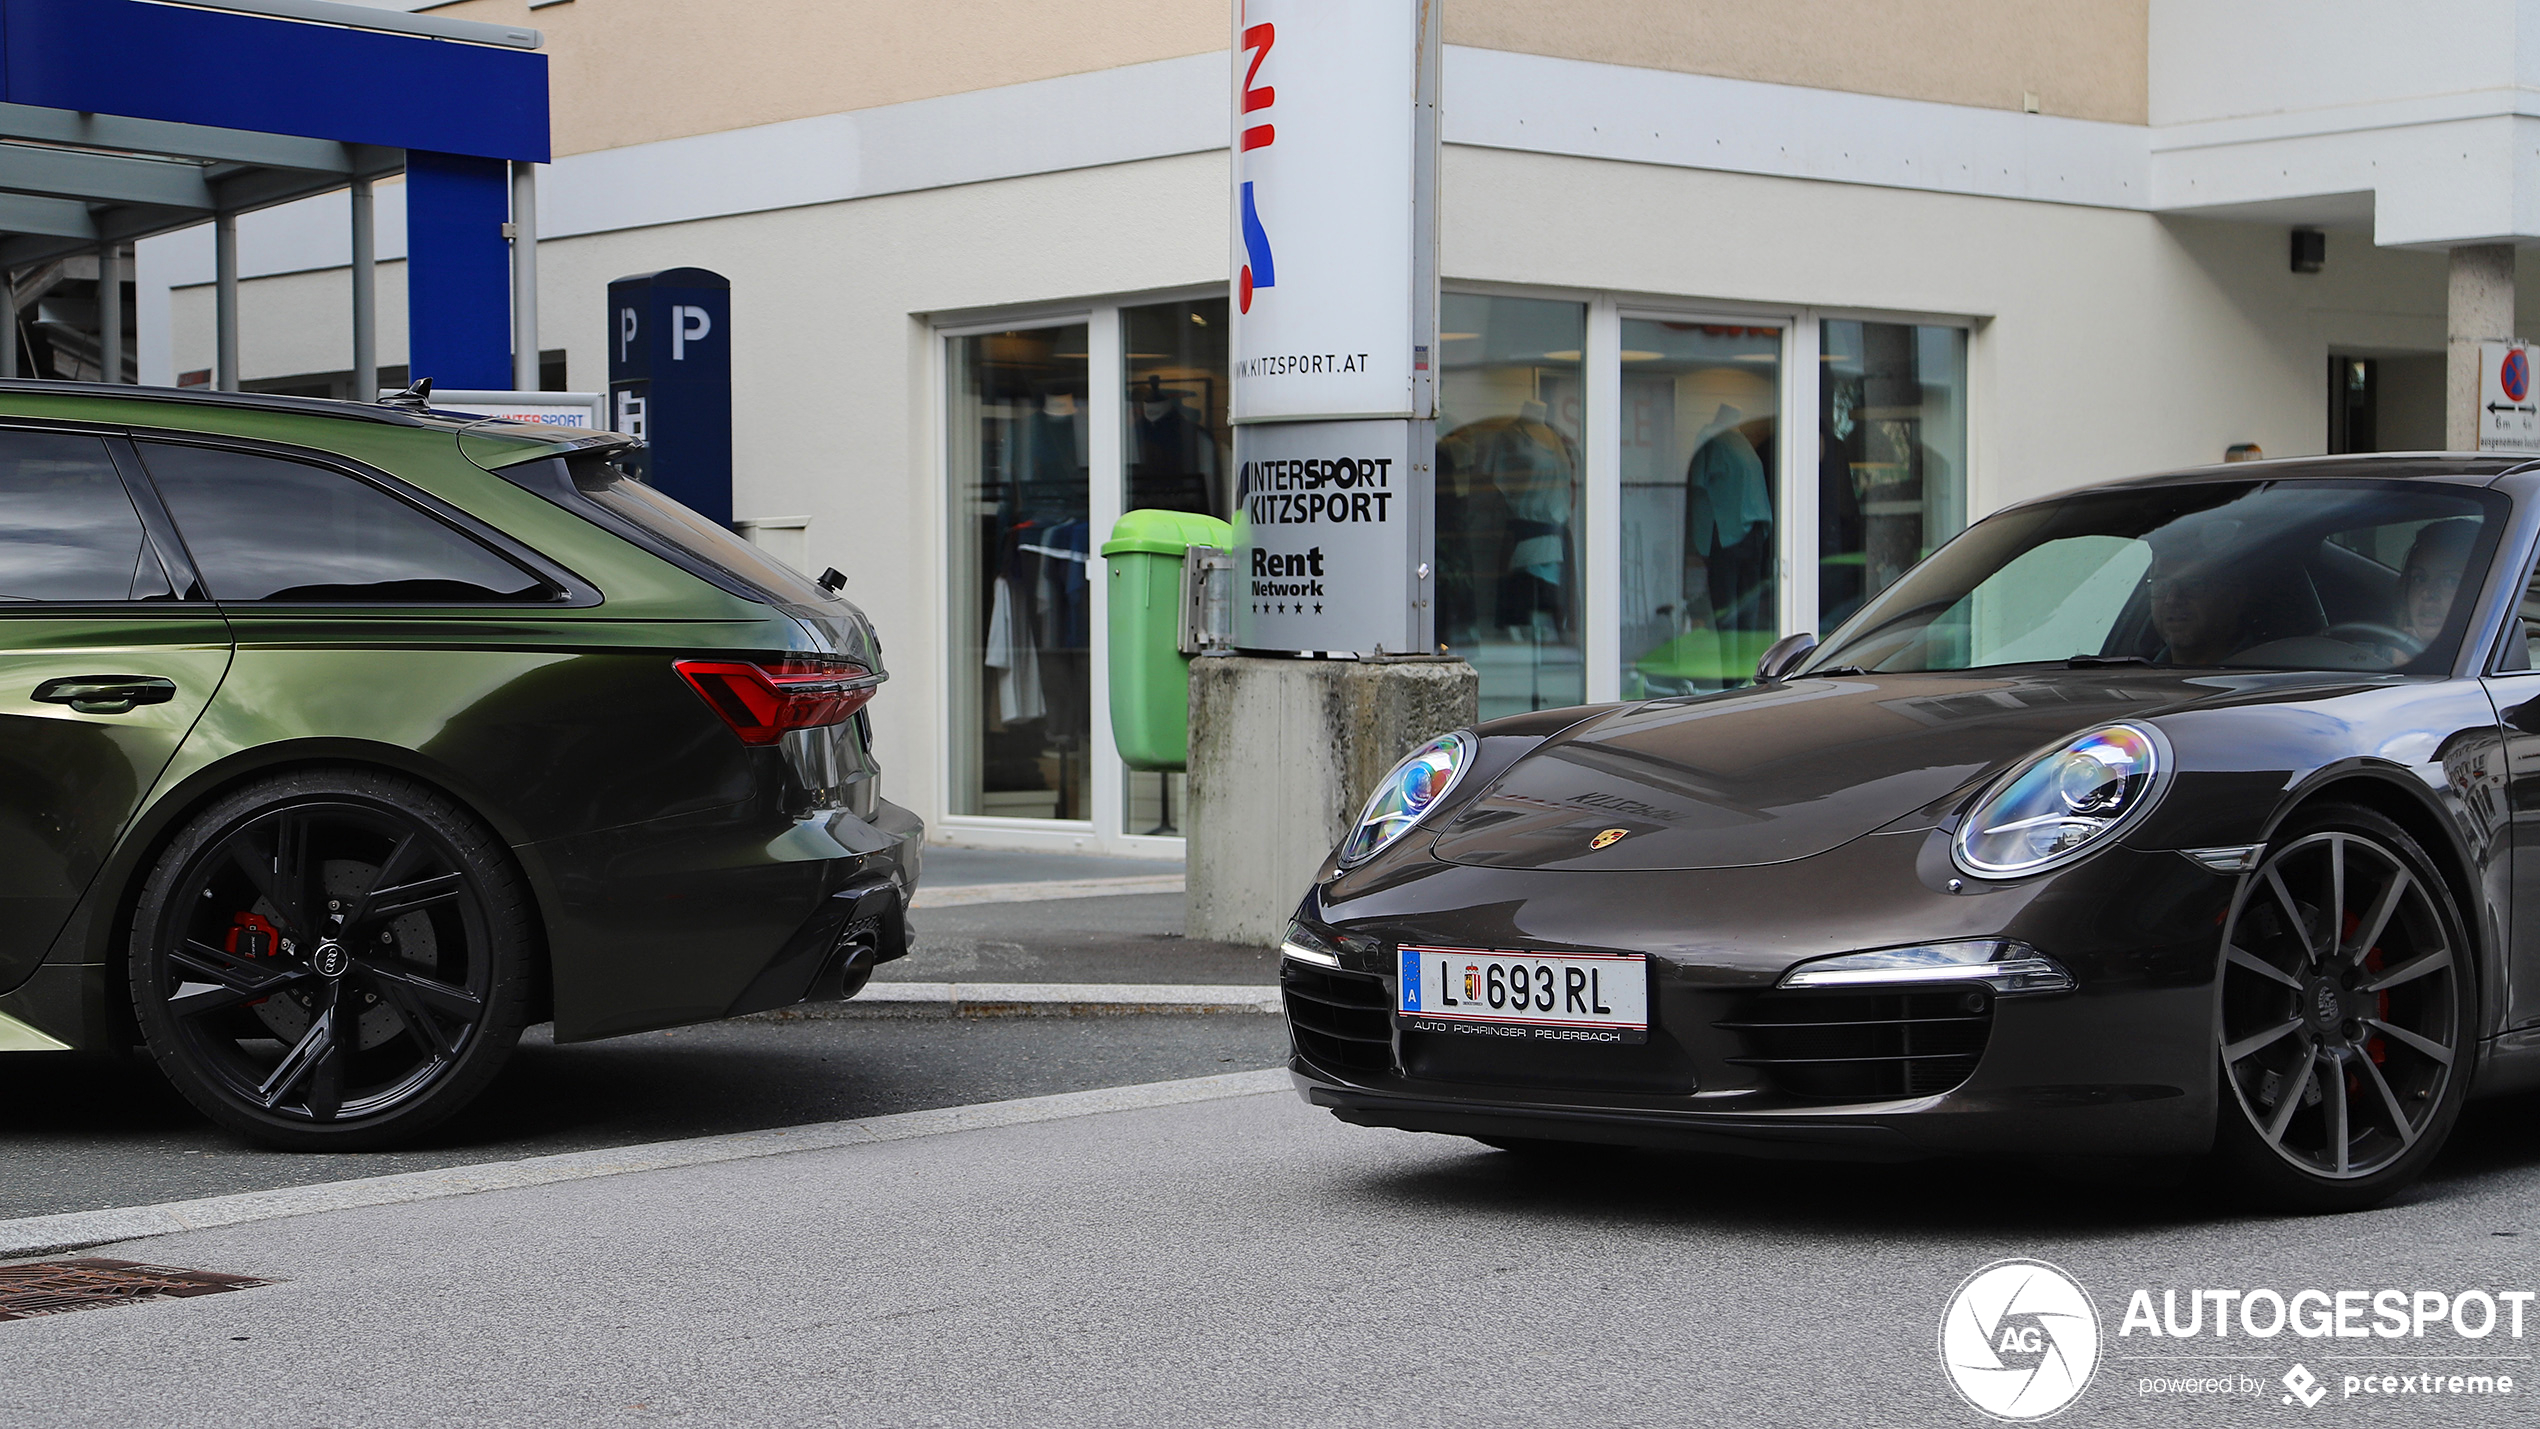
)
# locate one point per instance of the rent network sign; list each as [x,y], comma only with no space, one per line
[1334,273]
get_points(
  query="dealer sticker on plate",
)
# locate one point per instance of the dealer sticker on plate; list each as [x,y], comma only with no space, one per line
[1544,997]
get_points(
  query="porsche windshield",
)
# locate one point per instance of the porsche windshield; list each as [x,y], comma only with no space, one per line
[2268,575]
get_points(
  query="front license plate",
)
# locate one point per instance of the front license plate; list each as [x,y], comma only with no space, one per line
[1542,997]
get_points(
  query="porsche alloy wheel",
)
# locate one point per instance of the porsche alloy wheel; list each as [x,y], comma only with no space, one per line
[2344,1015]
[331,960]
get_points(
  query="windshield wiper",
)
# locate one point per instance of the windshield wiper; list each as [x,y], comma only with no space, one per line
[2087,662]
[1837,670]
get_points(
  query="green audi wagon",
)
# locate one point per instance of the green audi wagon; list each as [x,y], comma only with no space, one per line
[339,743]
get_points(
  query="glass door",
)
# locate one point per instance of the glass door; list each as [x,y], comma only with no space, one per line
[1511,481]
[1022,659]
[1892,454]
[1701,509]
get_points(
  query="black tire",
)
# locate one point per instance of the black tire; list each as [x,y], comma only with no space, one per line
[2345,1044]
[332,959]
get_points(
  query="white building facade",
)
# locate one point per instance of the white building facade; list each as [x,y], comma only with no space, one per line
[1741,315]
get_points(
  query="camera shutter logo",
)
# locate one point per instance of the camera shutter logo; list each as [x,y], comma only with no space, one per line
[2020,1340]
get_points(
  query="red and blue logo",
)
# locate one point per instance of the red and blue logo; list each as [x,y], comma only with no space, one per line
[1258,270]
[2515,377]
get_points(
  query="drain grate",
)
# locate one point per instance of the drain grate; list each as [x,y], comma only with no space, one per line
[55,1287]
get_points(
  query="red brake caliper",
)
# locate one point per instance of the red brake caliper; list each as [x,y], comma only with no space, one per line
[250,936]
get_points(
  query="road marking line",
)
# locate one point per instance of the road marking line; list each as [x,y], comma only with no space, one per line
[77,1230]
[1036,999]
[959,894]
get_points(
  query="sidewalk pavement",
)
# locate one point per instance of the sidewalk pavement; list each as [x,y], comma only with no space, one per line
[1123,932]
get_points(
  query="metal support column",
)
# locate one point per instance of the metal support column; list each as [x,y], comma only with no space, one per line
[225,303]
[365,297]
[9,341]
[524,277]
[110,313]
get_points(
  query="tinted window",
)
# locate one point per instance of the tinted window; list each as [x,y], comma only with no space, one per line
[622,494]
[261,528]
[67,530]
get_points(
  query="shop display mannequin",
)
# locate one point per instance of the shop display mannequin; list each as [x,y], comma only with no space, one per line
[1729,523]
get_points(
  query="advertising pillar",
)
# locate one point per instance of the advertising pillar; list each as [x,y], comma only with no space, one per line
[1333,215]
[670,381]
[1335,273]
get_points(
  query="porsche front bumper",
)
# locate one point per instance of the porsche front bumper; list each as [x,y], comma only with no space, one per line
[2122,1064]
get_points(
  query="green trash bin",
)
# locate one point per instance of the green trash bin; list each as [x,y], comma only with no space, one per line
[1150,675]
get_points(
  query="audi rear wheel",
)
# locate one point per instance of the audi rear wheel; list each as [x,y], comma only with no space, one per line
[332,960]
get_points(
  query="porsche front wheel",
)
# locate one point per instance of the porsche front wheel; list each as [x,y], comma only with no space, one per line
[2345,1016]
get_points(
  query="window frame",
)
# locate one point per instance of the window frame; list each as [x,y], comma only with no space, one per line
[570,591]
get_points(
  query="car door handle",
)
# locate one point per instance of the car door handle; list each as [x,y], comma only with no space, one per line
[106,694]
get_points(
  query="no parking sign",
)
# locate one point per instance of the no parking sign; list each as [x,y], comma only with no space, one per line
[2508,413]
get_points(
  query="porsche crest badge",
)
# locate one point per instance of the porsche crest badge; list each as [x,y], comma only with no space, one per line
[1609,836]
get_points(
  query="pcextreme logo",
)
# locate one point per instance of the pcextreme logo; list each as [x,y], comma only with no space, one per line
[2020,1340]
[1258,270]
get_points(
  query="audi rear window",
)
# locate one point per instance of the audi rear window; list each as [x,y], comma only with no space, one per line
[601,488]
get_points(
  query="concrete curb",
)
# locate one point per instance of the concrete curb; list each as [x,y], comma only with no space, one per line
[960,894]
[77,1230]
[1035,999]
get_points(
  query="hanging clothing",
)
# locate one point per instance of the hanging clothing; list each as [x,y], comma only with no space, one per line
[1532,468]
[1173,463]
[1012,656]
[1726,469]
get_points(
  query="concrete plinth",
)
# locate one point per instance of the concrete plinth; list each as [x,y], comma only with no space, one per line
[1283,756]
[2481,310]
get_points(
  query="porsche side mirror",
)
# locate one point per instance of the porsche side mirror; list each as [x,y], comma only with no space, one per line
[1784,656]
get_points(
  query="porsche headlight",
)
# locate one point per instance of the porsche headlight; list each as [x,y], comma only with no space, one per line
[2063,803]
[1413,788]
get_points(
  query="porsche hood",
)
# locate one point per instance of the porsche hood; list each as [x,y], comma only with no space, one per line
[1780,772]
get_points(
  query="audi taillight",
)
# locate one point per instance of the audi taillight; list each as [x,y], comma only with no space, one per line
[762,699]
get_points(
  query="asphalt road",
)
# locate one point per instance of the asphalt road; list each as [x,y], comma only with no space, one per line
[1242,1262]
[82,1133]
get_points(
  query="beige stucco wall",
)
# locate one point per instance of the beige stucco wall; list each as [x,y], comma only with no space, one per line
[634,71]
[2081,58]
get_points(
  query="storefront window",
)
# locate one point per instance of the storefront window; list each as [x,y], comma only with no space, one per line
[1701,506]
[1177,448]
[1022,663]
[1892,479]
[1509,488]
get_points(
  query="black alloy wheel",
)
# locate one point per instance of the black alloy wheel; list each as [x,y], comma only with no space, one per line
[332,960]
[2346,1014]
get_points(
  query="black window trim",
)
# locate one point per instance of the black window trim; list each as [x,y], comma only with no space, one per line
[174,558]
[572,591]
